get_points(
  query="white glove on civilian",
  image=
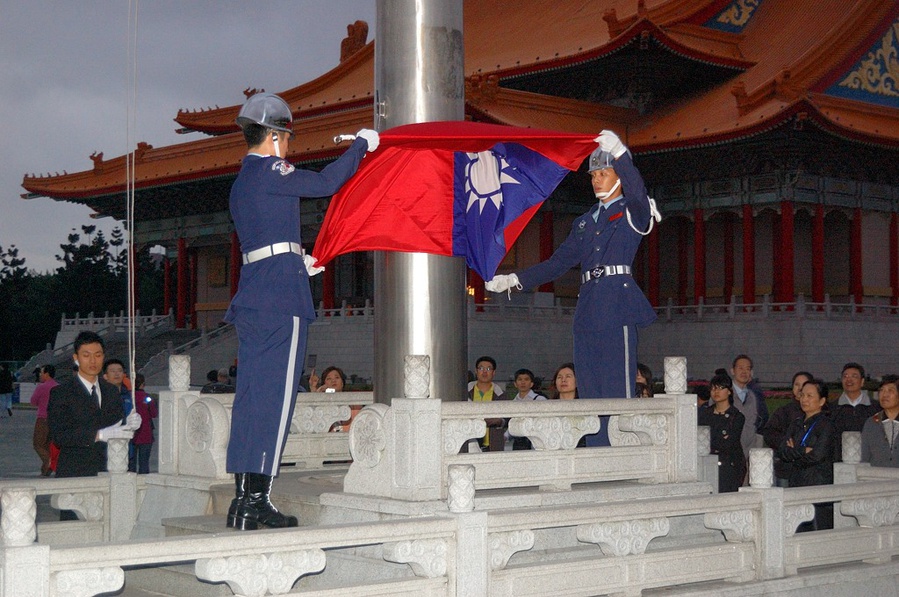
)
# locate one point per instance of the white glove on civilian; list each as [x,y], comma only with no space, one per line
[609,141]
[133,421]
[116,431]
[309,260]
[502,283]
[371,136]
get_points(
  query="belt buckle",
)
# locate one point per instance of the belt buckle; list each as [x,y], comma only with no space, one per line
[597,271]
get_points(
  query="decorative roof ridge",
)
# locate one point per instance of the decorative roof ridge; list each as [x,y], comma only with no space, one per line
[804,74]
[640,31]
[218,120]
[801,110]
[479,95]
[667,14]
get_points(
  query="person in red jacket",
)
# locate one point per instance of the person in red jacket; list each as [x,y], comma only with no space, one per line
[148,410]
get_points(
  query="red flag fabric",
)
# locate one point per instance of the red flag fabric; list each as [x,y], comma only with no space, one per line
[402,196]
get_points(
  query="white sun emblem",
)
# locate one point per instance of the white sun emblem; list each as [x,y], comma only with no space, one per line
[484,176]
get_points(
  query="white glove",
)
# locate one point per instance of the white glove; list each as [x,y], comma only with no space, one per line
[609,141]
[371,136]
[116,431]
[309,260]
[503,282]
[132,421]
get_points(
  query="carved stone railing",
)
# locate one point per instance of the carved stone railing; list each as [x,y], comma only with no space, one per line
[90,498]
[194,428]
[405,451]
[262,563]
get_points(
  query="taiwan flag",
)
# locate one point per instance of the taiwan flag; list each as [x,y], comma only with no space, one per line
[461,189]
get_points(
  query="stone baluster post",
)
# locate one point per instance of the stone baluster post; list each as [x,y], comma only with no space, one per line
[771,529]
[675,375]
[122,491]
[846,473]
[417,453]
[24,565]
[169,416]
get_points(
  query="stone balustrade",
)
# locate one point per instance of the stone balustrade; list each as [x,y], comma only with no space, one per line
[194,428]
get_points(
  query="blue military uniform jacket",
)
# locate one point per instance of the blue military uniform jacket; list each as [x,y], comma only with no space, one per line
[266,210]
[609,301]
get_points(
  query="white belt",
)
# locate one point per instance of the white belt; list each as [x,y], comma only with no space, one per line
[271,250]
[605,270]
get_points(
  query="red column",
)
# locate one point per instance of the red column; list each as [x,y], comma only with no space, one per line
[728,248]
[546,244]
[682,260]
[894,258]
[654,277]
[236,262]
[855,258]
[748,255]
[786,289]
[818,255]
[192,305]
[181,306]
[166,285]
[329,285]
[698,255]
[135,305]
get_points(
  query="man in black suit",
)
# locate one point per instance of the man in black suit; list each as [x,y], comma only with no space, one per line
[86,412]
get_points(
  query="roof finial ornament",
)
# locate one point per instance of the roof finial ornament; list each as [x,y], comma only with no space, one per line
[355,40]
[249,91]
[610,16]
[97,158]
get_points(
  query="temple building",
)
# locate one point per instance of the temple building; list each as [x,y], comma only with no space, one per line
[766,130]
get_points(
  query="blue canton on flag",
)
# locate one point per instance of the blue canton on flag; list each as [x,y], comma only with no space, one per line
[492,190]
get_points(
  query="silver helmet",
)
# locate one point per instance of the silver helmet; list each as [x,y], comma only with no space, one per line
[600,159]
[268,110]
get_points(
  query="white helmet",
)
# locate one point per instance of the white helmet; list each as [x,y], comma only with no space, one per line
[268,110]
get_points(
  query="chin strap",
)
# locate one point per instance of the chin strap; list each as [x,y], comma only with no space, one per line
[654,214]
[607,194]
[277,148]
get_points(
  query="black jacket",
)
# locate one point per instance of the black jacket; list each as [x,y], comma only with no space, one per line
[74,419]
[814,467]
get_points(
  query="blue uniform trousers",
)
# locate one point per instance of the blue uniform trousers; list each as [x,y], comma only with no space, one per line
[270,354]
[605,363]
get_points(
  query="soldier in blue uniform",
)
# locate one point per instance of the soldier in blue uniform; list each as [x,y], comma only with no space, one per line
[610,305]
[273,305]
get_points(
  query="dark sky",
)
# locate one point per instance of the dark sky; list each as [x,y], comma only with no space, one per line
[64,84]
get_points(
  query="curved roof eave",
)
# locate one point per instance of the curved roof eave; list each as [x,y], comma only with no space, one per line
[195,160]
[344,87]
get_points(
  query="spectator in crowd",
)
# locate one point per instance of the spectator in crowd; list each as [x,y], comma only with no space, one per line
[483,389]
[222,376]
[565,383]
[641,390]
[40,440]
[146,407]
[6,388]
[746,401]
[86,412]
[775,430]
[808,447]
[565,388]
[644,376]
[853,408]
[726,427]
[332,379]
[214,385]
[704,394]
[524,383]
[881,432]
[114,373]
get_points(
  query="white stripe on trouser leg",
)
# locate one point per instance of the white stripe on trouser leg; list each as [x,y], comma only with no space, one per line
[290,393]
[627,363]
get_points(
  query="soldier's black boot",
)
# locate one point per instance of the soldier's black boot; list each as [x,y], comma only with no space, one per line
[240,494]
[257,510]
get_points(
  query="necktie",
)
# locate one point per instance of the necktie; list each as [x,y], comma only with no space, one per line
[94,395]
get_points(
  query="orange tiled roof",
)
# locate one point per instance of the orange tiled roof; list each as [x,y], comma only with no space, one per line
[785,56]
